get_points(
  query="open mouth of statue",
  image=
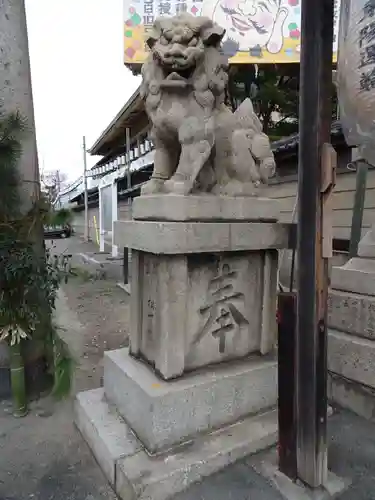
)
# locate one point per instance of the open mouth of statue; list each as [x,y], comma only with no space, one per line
[175,72]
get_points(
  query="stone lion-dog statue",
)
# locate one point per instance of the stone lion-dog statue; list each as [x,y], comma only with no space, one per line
[200,145]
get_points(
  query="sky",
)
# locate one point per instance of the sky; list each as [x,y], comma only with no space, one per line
[78,75]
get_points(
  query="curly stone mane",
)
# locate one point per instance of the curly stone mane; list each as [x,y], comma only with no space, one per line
[189,47]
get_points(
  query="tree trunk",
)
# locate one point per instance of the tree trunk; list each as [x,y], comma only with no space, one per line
[16,91]
[16,96]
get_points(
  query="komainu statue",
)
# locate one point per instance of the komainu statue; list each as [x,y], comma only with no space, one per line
[200,145]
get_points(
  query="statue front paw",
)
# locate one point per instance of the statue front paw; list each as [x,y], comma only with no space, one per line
[153,186]
[178,187]
[267,169]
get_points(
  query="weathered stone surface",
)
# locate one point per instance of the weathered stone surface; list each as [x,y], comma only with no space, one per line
[352,313]
[202,309]
[352,395]
[366,247]
[104,430]
[357,275]
[163,414]
[199,237]
[352,357]
[200,145]
[205,208]
[160,477]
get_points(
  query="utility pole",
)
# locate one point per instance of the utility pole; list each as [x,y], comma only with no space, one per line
[127,144]
[312,283]
[58,183]
[127,251]
[87,229]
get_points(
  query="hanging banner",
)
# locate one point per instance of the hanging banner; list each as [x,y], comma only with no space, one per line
[356,75]
[257,31]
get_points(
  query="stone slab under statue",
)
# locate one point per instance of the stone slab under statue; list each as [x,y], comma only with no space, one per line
[197,388]
[205,207]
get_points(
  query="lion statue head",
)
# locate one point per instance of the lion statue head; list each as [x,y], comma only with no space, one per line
[185,54]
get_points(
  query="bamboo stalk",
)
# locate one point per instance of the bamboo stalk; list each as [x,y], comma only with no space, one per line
[17,377]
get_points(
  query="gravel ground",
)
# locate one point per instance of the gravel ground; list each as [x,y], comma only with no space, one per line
[101,307]
[103,311]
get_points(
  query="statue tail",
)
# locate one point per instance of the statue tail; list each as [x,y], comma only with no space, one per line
[246,117]
[258,142]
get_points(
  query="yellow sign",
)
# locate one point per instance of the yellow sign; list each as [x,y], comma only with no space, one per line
[257,31]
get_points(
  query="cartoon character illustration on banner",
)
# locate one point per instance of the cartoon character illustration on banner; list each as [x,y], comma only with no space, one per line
[252,23]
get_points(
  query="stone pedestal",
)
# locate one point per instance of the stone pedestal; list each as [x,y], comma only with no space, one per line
[358,274]
[351,341]
[190,311]
[198,386]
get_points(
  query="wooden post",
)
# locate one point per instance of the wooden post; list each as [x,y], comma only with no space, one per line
[286,318]
[312,279]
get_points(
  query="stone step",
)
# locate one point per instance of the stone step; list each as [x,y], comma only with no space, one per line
[352,357]
[351,395]
[357,275]
[134,473]
[352,313]
[104,430]
[162,414]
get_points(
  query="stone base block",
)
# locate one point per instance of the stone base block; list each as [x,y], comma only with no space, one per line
[352,357]
[163,414]
[135,474]
[351,395]
[352,313]
[205,208]
[357,275]
[197,237]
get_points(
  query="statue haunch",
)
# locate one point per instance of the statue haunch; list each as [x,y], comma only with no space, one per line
[200,145]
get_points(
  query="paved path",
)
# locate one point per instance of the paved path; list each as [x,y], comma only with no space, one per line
[351,455]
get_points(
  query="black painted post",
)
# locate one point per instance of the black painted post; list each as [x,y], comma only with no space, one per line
[286,318]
